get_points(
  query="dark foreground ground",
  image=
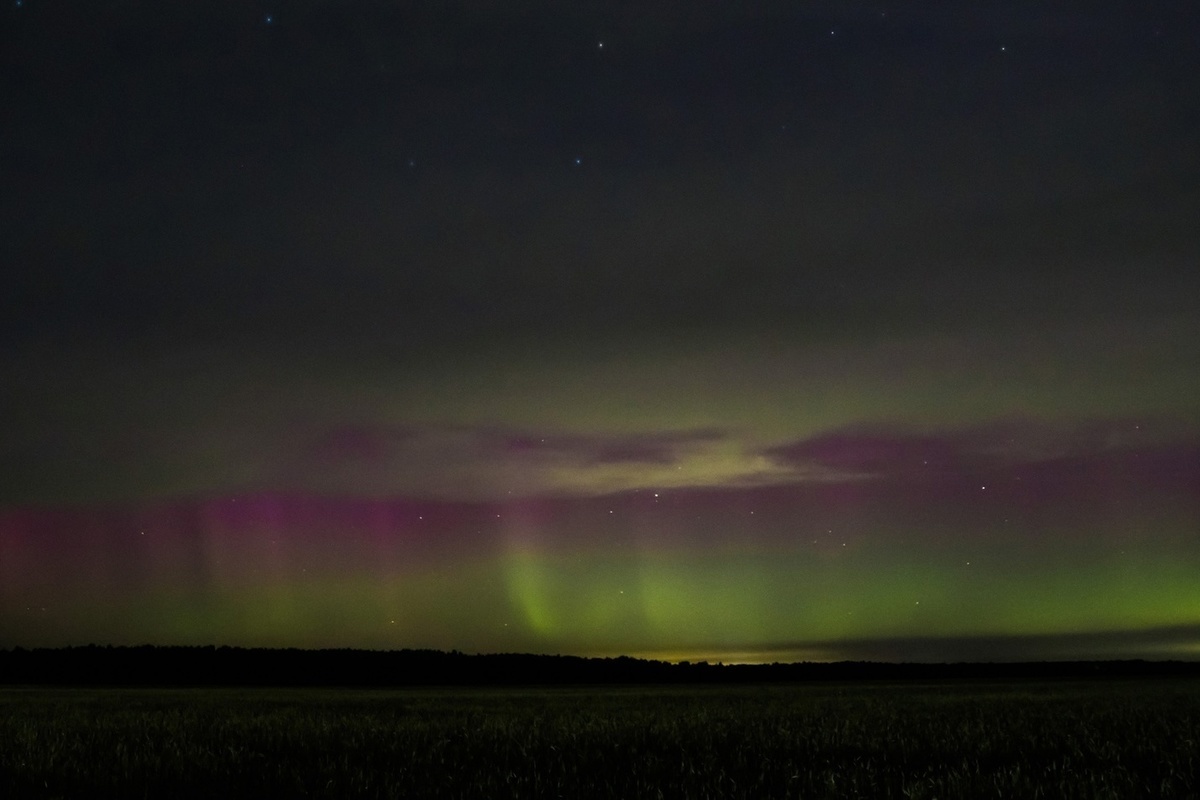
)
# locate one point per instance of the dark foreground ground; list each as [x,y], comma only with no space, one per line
[1109,739]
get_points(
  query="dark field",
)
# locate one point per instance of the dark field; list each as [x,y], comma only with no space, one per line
[1121,739]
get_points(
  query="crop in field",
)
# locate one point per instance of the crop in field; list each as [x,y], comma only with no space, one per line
[1069,740]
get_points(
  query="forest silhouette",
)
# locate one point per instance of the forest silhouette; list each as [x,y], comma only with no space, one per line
[232,666]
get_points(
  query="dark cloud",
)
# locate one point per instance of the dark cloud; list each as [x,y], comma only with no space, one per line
[376,444]
[380,444]
[873,454]
[595,449]
[1000,447]
[455,461]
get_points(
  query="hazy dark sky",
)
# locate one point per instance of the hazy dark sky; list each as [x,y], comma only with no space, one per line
[847,266]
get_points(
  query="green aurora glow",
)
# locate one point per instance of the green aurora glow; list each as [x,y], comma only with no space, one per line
[434,325]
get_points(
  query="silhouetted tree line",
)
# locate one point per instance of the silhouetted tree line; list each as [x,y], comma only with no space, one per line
[231,666]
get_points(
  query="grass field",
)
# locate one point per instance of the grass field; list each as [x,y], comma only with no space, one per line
[1084,740]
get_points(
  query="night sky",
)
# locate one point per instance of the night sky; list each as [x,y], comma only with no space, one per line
[746,331]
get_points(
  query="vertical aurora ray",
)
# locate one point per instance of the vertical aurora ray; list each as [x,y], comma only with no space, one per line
[720,570]
[679,346]
[716,570]
[823,528]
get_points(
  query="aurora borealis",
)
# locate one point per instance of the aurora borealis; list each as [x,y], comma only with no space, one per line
[846,332]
